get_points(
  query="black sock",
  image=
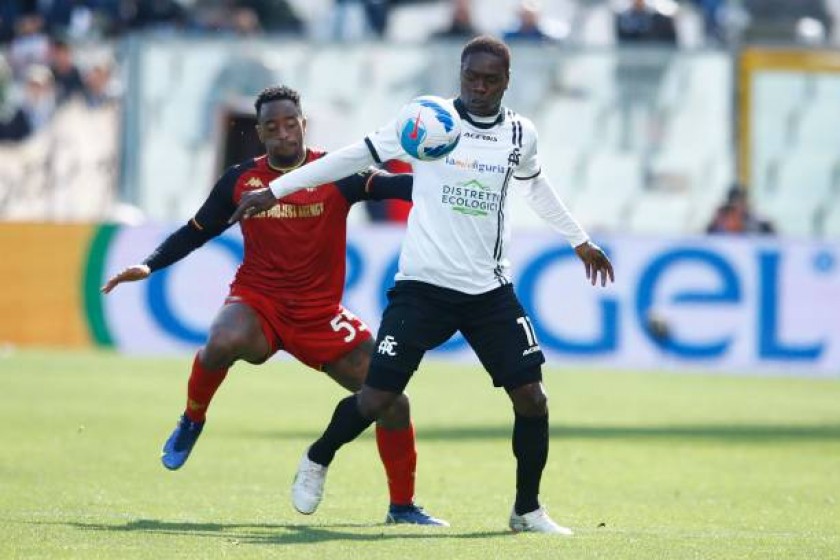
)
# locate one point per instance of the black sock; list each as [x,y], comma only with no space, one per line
[346,425]
[530,447]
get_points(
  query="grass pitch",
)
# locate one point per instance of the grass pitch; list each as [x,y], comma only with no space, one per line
[642,466]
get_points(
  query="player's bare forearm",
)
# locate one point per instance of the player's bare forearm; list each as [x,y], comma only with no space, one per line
[129,274]
[596,263]
[253,202]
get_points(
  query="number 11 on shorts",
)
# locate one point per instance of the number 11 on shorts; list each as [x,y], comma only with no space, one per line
[529,330]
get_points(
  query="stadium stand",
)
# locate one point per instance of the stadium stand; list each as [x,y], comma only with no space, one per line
[620,149]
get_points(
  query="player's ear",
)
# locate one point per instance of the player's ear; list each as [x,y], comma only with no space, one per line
[259,130]
[303,124]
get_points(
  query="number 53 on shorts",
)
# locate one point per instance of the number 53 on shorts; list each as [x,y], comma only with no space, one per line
[348,324]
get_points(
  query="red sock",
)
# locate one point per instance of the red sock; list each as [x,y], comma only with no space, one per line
[398,454]
[200,390]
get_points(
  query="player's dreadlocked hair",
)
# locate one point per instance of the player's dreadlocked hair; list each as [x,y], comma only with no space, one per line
[490,45]
[277,93]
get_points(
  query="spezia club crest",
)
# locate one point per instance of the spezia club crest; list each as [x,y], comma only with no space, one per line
[428,128]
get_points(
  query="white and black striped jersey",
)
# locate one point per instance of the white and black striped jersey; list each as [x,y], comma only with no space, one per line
[458,230]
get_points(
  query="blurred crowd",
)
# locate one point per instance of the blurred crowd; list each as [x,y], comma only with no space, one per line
[60,53]
[40,75]
[38,38]
[74,20]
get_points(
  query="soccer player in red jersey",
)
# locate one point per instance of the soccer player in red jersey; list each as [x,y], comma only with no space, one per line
[287,292]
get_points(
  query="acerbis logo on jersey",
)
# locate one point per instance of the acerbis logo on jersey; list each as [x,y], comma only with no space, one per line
[471,198]
[480,136]
[388,346]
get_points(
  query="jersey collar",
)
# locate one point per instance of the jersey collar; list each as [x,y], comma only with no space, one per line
[290,168]
[462,112]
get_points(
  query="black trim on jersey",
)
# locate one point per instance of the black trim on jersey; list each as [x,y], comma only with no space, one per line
[500,222]
[210,221]
[500,276]
[529,177]
[516,128]
[462,112]
[373,152]
[375,185]
[516,140]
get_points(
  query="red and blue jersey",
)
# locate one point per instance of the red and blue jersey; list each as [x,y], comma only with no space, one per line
[294,252]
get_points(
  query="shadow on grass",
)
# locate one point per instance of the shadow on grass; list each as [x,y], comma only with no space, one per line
[733,433]
[269,533]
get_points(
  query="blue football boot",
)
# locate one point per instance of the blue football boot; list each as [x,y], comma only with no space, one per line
[412,514]
[177,448]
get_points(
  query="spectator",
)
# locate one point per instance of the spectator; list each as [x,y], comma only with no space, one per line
[14,125]
[712,18]
[528,27]
[10,10]
[79,19]
[645,23]
[161,15]
[30,45]
[639,73]
[804,21]
[736,216]
[461,26]
[274,16]
[245,22]
[68,79]
[39,97]
[373,12]
[99,89]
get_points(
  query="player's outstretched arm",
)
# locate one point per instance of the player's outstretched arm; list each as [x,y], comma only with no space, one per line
[596,263]
[209,221]
[332,167]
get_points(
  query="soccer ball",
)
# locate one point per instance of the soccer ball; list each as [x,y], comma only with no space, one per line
[428,128]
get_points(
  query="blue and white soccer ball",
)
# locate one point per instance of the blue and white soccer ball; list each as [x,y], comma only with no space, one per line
[428,128]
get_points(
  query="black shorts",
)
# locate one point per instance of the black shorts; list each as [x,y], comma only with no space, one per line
[421,316]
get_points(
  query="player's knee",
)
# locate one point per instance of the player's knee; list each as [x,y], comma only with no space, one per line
[223,348]
[374,403]
[398,415]
[530,400]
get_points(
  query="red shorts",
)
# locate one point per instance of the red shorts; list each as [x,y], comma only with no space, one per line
[317,337]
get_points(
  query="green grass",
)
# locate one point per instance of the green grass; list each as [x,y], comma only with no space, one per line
[642,466]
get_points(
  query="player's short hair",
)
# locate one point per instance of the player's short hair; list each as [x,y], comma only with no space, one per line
[490,45]
[277,93]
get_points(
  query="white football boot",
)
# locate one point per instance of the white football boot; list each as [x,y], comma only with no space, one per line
[536,521]
[308,487]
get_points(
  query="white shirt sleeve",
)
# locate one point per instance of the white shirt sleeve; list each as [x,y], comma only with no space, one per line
[378,147]
[529,164]
[544,200]
[384,144]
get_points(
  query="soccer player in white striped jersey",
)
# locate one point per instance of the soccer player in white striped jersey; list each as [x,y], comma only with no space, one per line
[454,274]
